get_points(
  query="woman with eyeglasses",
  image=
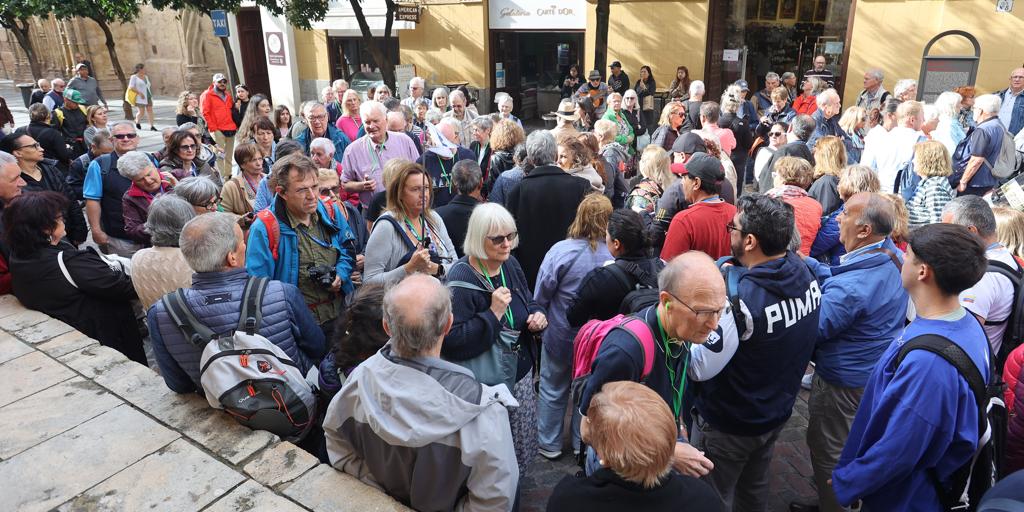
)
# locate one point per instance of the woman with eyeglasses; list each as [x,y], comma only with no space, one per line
[495,319]
[201,192]
[563,269]
[147,184]
[776,138]
[182,158]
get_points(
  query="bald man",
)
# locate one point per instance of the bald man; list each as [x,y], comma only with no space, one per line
[691,300]
[384,427]
[1011,113]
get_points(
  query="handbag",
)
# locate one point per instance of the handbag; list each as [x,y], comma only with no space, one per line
[500,362]
[116,263]
[648,102]
[130,95]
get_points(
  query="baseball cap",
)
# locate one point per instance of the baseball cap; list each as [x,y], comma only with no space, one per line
[678,168]
[594,75]
[689,142]
[218,77]
[78,66]
[705,167]
[743,85]
[73,95]
[616,64]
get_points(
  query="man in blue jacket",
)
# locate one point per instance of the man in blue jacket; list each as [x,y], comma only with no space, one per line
[741,411]
[214,247]
[297,240]
[863,308]
[316,116]
[920,419]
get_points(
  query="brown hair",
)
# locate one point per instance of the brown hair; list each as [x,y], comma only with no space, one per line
[633,431]
[780,93]
[580,153]
[174,144]
[282,169]
[931,158]
[966,91]
[590,141]
[265,124]
[91,111]
[829,157]
[245,152]
[393,193]
[591,222]
[506,135]
[794,171]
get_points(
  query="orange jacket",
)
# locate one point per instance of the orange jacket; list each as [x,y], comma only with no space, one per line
[217,111]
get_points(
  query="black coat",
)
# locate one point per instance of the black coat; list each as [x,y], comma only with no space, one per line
[605,490]
[797,148]
[100,307]
[455,215]
[501,161]
[600,293]
[544,205]
[52,142]
[53,180]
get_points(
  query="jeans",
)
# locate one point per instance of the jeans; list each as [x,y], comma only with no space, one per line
[555,377]
[228,144]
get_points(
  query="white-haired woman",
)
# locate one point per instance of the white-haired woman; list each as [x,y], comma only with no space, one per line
[147,183]
[161,269]
[905,89]
[949,131]
[496,318]
[617,115]
[439,99]
[201,192]
[505,105]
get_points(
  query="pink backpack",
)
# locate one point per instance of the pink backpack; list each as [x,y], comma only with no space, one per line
[589,338]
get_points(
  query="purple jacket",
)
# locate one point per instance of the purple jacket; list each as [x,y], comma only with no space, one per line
[135,207]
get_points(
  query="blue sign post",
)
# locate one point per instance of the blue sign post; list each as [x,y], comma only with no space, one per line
[220,23]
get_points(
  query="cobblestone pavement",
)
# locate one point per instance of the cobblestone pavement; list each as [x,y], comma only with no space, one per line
[791,476]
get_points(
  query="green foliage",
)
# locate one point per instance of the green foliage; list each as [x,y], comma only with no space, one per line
[12,11]
[111,11]
[300,13]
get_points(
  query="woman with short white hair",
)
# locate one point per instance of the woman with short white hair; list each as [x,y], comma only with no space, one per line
[201,192]
[161,269]
[948,131]
[505,104]
[905,90]
[495,319]
[147,184]
[617,115]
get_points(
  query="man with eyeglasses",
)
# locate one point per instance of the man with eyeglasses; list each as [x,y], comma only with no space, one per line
[691,302]
[216,103]
[416,86]
[103,190]
[776,300]
[1011,112]
[297,241]
[316,117]
[666,134]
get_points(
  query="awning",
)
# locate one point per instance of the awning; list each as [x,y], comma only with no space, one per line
[340,21]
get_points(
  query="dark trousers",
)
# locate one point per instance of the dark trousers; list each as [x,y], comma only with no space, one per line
[741,463]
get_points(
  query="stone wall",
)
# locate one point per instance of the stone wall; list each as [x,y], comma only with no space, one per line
[87,429]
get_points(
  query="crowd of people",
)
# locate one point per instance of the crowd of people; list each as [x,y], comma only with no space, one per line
[436,275]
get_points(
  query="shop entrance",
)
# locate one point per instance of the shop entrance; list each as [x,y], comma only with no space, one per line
[529,65]
[749,38]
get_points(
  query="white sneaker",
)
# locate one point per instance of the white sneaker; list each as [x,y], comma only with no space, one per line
[806,381]
[550,455]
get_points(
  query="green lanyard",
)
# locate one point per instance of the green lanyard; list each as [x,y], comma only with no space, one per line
[423,229]
[444,172]
[508,309]
[680,389]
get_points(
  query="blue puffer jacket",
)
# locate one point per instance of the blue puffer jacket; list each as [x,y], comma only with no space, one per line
[863,307]
[215,298]
[260,262]
[337,136]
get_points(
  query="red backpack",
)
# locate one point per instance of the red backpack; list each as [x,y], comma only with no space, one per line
[274,230]
[590,337]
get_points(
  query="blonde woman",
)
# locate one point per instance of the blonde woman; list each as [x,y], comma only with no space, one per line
[96,117]
[670,125]
[853,122]
[656,178]
[932,164]
[855,178]
[187,111]
[829,162]
[349,121]
[1010,230]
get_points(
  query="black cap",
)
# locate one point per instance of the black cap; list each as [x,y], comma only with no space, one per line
[616,64]
[688,143]
[705,167]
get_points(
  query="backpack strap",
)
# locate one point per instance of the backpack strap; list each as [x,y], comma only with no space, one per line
[643,335]
[732,290]
[892,256]
[251,316]
[398,229]
[620,275]
[194,331]
[1014,275]
[273,230]
[955,356]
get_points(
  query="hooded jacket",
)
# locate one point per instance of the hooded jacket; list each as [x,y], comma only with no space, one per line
[755,392]
[863,307]
[425,432]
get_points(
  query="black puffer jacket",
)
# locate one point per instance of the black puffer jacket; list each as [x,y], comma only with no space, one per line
[501,161]
[601,291]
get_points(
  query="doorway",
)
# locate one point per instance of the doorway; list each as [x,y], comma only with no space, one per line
[349,55]
[254,56]
[530,65]
[748,38]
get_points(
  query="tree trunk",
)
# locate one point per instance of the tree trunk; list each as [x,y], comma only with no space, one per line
[229,56]
[21,33]
[387,69]
[115,63]
[601,38]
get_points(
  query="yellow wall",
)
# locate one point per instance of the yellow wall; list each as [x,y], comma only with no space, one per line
[896,47]
[311,55]
[449,44]
[659,34]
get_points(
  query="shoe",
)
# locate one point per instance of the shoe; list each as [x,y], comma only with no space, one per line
[550,455]
[806,381]
[138,126]
[153,129]
[802,507]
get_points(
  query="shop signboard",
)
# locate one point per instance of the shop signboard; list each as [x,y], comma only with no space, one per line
[941,73]
[407,13]
[275,49]
[538,14]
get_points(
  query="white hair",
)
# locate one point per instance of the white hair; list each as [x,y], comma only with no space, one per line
[322,143]
[207,240]
[696,88]
[930,112]
[417,80]
[876,73]
[988,103]
[132,164]
[487,219]
[903,86]
[947,104]
[827,95]
[338,83]
[310,105]
[771,76]
[325,91]
[371,106]
[453,123]
[7,159]
[456,94]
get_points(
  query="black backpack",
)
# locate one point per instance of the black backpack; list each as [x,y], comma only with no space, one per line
[972,480]
[643,289]
[1015,322]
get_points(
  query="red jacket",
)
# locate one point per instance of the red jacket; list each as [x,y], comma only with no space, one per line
[217,111]
[1013,375]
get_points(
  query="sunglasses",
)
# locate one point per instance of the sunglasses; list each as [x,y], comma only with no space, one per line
[775,134]
[187,147]
[123,136]
[498,240]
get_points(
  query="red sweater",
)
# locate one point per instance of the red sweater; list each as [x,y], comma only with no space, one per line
[805,104]
[701,227]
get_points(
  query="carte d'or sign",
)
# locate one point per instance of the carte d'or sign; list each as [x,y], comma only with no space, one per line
[538,14]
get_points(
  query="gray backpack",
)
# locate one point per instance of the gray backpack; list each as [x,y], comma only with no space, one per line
[244,373]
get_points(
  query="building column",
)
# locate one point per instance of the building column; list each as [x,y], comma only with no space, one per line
[282,68]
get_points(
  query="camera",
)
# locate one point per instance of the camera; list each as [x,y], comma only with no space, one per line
[322,275]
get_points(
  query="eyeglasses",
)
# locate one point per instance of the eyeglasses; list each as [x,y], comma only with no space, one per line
[212,205]
[1017,77]
[187,147]
[317,117]
[328,190]
[775,134]
[498,240]
[701,314]
[731,226]
[123,136]
[33,145]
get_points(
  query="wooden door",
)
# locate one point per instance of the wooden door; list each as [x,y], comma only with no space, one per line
[254,55]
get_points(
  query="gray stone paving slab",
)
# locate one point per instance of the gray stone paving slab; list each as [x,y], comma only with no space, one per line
[21,319]
[43,331]
[11,347]
[135,383]
[94,361]
[9,305]
[324,488]
[54,410]
[176,477]
[66,343]
[253,497]
[280,463]
[28,374]
[57,470]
